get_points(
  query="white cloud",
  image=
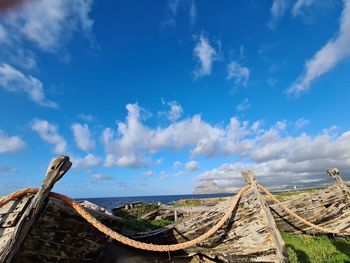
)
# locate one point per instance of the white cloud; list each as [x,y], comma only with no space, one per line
[126,147]
[238,73]
[7,170]
[192,166]
[244,105]
[205,54]
[23,58]
[148,173]
[300,5]
[271,152]
[10,143]
[180,173]
[83,137]
[87,162]
[133,142]
[278,10]
[163,175]
[3,34]
[278,159]
[177,165]
[301,123]
[329,56]
[175,111]
[173,9]
[49,24]
[193,12]
[49,133]
[100,177]
[15,81]
[86,117]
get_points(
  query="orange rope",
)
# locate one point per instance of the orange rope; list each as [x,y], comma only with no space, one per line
[285,208]
[125,240]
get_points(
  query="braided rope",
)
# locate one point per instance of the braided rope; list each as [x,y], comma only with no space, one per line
[125,240]
[286,209]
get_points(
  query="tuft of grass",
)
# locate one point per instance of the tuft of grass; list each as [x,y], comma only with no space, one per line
[283,195]
[187,202]
[142,225]
[320,249]
[197,202]
[138,211]
[136,223]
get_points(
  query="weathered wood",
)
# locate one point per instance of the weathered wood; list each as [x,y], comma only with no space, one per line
[329,207]
[11,212]
[281,250]
[334,172]
[244,238]
[61,235]
[57,168]
[150,215]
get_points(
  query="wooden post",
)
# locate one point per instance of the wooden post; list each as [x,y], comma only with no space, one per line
[281,250]
[175,215]
[334,173]
[57,168]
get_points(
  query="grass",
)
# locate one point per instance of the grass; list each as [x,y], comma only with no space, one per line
[283,195]
[138,211]
[187,202]
[197,202]
[320,249]
[136,223]
[142,225]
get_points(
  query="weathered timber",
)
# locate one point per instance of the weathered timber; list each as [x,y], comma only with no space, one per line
[246,237]
[61,235]
[281,250]
[329,208]
[57,168]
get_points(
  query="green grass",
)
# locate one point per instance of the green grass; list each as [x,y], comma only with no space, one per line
[198,202]
[136,223]
[142,225]
[283,195]
[320,249]
[187,202]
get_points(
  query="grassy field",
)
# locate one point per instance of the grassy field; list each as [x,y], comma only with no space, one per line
[320,249]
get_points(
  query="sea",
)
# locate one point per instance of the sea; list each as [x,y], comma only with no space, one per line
[111,202]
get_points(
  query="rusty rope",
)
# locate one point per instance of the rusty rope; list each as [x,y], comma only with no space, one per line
[123,239]
[285,208]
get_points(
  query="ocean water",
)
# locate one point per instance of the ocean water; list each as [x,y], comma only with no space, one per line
[111,202]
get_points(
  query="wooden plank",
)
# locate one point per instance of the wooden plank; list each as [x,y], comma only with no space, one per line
[281,250]
[10,214]
[57,168]
[15,206]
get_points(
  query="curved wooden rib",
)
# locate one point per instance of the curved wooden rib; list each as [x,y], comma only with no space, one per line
[329,207]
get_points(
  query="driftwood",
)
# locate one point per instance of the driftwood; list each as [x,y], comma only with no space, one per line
[329,207]
[15,236]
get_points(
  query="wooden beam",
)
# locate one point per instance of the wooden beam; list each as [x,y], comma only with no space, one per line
[281,250]
[335,173]
[57,168]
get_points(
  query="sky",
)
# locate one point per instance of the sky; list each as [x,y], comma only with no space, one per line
[158,97]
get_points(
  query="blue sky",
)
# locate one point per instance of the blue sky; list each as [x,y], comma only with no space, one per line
[157,97]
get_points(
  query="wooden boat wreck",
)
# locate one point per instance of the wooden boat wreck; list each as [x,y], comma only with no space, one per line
[328,208]
[37,227]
